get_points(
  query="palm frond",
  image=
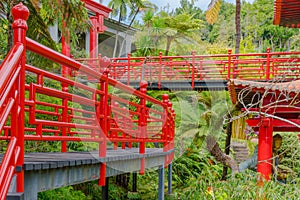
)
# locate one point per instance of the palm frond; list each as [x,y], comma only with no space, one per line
[213,11]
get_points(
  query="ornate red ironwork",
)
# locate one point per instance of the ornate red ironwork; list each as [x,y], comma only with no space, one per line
[255,66]
[76,112]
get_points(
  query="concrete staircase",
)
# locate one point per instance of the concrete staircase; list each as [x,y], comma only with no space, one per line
[240,151]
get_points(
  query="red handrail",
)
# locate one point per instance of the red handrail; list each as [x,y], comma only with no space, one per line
[94,117]
[46,52]
[191,68]
[8,166]
[9,74]
[11,62]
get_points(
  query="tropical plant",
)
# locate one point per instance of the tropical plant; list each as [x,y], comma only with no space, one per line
[212,15]
[37,27]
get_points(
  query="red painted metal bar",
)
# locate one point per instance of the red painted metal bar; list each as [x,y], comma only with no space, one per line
[61,59]
[60,122]
[8,166]
[20,14]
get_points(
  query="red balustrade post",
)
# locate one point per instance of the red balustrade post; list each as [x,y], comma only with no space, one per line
[229,64]
[93,38]
[193,69]
[66,48]
[265,140]
[201,68]
[173,131]
[114,134]
[143,123]
[165,127]
[20,14]
[104,107]
[128,68]
[268,67]
[166,131]
[130,126]
[160,70]
[99,63]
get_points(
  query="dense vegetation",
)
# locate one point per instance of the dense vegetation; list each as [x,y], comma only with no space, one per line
[196,174]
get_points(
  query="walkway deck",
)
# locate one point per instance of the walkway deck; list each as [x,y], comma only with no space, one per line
[46,171]
[184,85]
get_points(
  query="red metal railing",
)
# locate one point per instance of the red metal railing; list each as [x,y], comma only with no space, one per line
[192,68]
[9,111]
[65,109]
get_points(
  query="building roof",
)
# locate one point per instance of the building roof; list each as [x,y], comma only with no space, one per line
[287,13]
[236,86]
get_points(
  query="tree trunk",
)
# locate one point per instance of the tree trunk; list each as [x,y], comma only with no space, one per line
[215,150]
[128,27]
[117,37]
[238,26]
[169,40]
[10,19]
[227,148]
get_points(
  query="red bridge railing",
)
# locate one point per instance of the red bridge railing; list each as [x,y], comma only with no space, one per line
[37,105]
[193,68]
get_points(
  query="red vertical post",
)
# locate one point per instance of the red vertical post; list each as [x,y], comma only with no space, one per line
[166,127]
[20,14]
[93,37]
[128,68]
[268,67]
[66,72]
[160,70]
[99,63]
[173,131]
[264,166]
[229,64]
[193,69]
[104,107]
[201,68]
[66,49]
[130,128]
[143,123]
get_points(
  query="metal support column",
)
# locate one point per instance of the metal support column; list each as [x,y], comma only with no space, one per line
[134,182]
[170,179]
[161,180]
[105,190]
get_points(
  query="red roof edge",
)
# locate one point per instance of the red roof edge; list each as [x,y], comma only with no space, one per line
[97,7]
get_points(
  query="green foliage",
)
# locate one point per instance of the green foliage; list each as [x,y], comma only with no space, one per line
[290,150]
[3,37]
[66,193]
[242,186]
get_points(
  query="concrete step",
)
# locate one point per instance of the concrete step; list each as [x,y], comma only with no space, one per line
[240,151]
[15,196]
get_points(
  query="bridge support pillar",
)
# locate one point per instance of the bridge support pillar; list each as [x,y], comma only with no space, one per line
[161,180]
[265,140]
[170,179]
[105,190]
[134,182]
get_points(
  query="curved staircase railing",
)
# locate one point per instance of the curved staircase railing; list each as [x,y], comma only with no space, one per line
[37,105]
[10,71]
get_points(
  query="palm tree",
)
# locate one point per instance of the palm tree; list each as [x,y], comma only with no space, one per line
[119,8]
[212,16]
[74,13]
[179,25]
[37,27]
[136,7]
[215,110]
